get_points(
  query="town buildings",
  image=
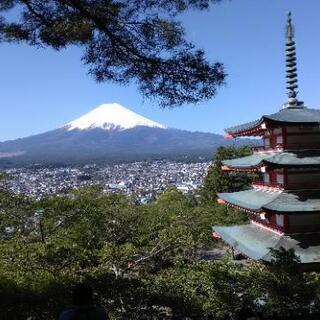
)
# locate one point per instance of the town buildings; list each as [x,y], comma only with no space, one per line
[143,180]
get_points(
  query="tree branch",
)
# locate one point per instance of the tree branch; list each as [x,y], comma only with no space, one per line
[100,24]
[152,254]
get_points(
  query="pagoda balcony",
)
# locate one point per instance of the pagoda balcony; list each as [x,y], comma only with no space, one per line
[302,146]
[261,183]
[288,186]
[290,146]
[266,223]
[278,146]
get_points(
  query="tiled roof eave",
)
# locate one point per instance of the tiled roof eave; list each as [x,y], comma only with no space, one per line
[283,165]
[244,168]
[289,202]
[246,129]
[241,237]
[239,204]
[266,209]
[290,123]
[277,119]
[249,210]
[270,165]
[284,159]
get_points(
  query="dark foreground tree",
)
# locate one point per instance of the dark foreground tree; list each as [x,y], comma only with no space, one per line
[123,41]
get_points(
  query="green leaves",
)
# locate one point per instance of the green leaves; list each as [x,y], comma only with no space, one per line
[220,181]
[289,292]
[143,260]
[122,41]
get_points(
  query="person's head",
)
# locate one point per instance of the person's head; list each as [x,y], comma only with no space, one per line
[82,295]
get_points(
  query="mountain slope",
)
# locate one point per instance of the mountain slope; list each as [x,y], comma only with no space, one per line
[109,133]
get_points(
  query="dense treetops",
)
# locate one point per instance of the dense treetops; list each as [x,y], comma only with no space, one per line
[220,181]
[108,240]
[144,261]
[137,40]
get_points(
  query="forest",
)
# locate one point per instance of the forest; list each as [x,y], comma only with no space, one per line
[143,261]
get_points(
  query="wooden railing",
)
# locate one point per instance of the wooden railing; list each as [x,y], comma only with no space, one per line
[303,185]
[264,222]
[261,183]
[289,186]
[268,147]
[302,146]
[290,146]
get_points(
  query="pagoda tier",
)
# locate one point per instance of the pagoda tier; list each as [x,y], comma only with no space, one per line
[302,201]
[256,242]
[298,116]
[284,212]
[284,206]
[293,159]
[281,170]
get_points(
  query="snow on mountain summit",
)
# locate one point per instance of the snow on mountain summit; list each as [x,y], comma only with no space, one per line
[111,116]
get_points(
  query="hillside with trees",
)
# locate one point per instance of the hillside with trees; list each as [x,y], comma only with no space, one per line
[143,261]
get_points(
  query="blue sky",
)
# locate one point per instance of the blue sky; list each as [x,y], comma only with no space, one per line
[42,89]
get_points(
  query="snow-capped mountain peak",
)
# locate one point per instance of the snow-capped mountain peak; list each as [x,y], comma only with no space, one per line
[111,116]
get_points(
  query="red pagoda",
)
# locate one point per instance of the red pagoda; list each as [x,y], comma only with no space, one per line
[284,206]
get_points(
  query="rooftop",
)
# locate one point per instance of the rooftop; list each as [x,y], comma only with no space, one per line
[306,158]
[278,201]
[307,247]
[287,116]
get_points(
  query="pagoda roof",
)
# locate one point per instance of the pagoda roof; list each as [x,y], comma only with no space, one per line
[242,238]
[279,201]
[289,116]
[306,158]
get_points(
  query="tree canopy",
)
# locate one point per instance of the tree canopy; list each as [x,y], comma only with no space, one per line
[143,261]
[108,240]
[137,40]
[219,181]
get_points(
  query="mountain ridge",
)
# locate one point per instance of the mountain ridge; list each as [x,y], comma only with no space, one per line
[101,138]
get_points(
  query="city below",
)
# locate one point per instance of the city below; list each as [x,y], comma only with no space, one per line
[141,179]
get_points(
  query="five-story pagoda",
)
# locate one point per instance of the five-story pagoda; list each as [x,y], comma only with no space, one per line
[284,206]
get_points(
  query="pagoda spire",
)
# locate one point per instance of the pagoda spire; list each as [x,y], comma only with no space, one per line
[291,66]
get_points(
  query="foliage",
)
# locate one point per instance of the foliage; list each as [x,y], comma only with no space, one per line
[289,294]
[218,180]
[206,290]
[227,290]
[142,260]
[136,40]
[89,236]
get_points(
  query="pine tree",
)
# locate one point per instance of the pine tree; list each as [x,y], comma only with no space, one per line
[137,40]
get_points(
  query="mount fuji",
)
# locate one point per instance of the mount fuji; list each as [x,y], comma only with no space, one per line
[111,117]
[109,133]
